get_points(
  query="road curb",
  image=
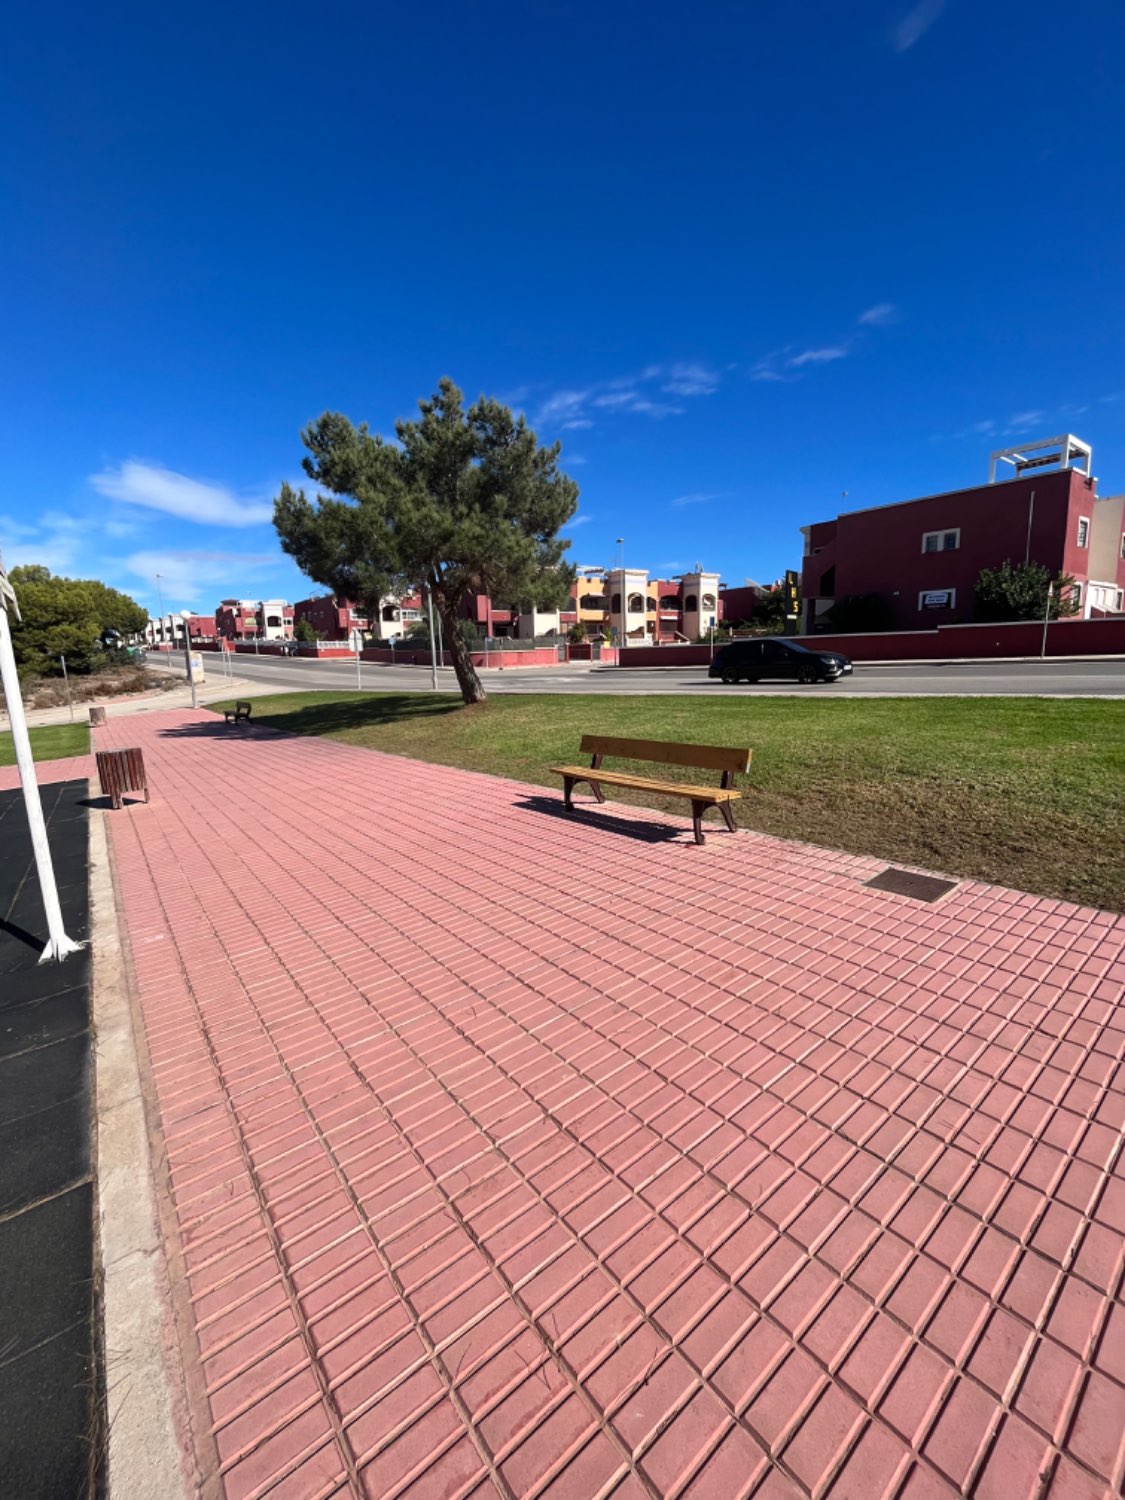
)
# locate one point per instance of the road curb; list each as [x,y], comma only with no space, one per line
[149,1447]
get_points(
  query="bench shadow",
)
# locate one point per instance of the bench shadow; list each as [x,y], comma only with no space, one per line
[592,813]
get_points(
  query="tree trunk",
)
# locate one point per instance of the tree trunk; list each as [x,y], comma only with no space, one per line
[472,690]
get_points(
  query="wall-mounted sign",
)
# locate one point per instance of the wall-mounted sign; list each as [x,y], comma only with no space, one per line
[937,599]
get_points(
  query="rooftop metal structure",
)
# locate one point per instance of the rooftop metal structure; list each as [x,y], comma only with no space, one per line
[1064,452]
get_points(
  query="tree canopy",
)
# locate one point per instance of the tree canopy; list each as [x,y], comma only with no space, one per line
[463,502]
[1018,591]
[67,617]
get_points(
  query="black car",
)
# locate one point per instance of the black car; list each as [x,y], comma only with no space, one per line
[754,660]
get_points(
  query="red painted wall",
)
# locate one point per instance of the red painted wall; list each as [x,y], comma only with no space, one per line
[948,643]
[880,551]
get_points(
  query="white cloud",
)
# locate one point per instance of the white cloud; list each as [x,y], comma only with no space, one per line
[562,407]
[573,458]
[696,498]
[577,521]
[766,370]
[616,398]
[915,23]
[691,380]
[155,488]
[817,356]
[1020,421]
[655,408]
[879,315]
[577,424]
[187,577]
[59,542]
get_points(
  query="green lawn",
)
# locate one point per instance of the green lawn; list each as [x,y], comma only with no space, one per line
[1023,791]
[51,742]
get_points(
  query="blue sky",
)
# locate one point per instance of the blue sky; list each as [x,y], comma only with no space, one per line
[739,257]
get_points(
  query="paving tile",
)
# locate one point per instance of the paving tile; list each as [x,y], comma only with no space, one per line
[643,1199]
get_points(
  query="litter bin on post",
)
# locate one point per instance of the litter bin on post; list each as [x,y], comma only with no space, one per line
[97,717]
[121,771]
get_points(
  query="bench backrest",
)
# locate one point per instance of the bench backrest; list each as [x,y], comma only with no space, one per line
[242,706]
[669,753]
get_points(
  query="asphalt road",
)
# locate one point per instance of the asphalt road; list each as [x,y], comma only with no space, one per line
[1086,679]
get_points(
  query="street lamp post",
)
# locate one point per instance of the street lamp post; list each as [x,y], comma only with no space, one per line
[185,616]
[624,598]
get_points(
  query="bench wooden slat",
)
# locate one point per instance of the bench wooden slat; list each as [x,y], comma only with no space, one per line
[661,752]
[650,784]
[669,753]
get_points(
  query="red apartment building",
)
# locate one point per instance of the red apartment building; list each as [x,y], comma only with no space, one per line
[331,618]
[923,557]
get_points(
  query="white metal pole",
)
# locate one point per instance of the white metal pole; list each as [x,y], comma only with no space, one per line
[58,944]
[441,641]
[433,641]
[66,681]
[187,663]
[358,664]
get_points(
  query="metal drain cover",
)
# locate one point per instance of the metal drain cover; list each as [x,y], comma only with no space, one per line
[904,883]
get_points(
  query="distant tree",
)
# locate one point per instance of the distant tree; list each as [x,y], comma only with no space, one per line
[859,614]
[463,502]
[577,632]
[768,613]
[67,617]
[1018,591]
[304,632]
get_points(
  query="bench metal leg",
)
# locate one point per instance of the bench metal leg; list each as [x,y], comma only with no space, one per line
[568,793]
[697,811]
[728,815]
[597,791]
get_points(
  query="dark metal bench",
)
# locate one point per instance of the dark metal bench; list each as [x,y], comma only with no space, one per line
[239,713]
[121,771]
[663,752]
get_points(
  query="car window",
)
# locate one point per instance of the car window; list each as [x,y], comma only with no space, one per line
[775,651]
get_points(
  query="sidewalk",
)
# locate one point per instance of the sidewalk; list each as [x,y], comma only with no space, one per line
[216,689]
[740,1178]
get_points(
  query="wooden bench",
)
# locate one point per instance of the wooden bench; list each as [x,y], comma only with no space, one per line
[661,752]
[239,713]
[121,771]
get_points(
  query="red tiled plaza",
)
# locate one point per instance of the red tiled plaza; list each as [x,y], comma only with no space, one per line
[743,1180]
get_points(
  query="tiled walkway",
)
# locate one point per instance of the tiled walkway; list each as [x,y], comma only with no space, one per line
[522,1156]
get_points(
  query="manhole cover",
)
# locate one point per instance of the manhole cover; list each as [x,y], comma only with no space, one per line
[903,883]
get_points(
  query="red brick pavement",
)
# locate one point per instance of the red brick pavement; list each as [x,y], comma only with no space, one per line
[740,1179]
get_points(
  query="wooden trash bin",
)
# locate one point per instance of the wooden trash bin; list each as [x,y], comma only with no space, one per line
[97,717]
[121,771]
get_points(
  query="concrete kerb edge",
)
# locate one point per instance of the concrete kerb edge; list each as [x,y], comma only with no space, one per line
[158,1434]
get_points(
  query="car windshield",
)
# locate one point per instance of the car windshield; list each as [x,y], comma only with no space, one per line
[792,646]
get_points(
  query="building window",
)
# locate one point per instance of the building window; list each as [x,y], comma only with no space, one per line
[615,604]
[691,602]
[937,599]
[1076,595]
[670,602]
[1123,544]
[708,601]
[941,541]
[636,604]
[1083,531]
[651,604]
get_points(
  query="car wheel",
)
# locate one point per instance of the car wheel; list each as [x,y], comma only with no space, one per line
[806,675]
[753,681]
[728,680]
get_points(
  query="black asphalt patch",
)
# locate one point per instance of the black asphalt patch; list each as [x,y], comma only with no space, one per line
[48,1361]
